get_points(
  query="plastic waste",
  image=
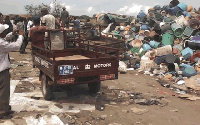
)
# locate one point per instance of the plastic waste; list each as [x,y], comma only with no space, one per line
[187,53]
[122,67]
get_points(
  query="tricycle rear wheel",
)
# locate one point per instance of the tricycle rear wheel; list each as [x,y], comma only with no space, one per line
[94,87]
[47,90]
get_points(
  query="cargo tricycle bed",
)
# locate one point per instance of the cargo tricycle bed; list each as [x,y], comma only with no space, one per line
[83,64]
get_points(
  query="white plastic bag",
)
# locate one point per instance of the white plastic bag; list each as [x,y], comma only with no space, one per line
[122,67]
[106,30]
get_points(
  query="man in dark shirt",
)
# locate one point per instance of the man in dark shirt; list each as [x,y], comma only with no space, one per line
[64,18]
[25,41]
[88,24]
[37,32]
[76,24]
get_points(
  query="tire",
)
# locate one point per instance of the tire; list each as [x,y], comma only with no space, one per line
[47,90]
[94,87]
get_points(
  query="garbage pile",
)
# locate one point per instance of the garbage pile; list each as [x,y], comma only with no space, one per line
[164,42]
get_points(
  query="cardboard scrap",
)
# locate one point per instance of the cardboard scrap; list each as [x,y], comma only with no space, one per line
[193,98]
[193,82]
[184,96]
[139,111]
[189,97]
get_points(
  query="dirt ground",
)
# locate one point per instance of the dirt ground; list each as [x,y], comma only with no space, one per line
[133,99]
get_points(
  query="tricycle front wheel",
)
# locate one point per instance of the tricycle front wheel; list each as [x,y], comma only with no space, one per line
[47,90]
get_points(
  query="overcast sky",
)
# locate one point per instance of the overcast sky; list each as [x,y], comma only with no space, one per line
[90,7]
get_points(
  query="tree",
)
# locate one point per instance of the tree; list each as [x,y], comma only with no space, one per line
[53,8]
[34,10]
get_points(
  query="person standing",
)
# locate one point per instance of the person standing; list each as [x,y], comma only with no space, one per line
[25,42]
[29,24]
[64,18]
[5,48]
[20,24]
[57,21]
[37,32]
[49,21]
[113,26]
[88,24]
[8,22]
[12,20]
[76,24]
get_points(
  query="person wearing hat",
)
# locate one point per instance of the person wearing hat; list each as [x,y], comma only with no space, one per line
[64,18]
[5,48]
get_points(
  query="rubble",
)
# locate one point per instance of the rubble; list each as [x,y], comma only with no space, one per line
[71,108]
[167,50]
[163,37]
[32,101]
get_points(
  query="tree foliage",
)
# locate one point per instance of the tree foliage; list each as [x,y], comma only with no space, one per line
[34,10]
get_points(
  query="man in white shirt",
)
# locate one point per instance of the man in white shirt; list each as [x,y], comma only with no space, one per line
[5,48]
[47,20]
[29,24]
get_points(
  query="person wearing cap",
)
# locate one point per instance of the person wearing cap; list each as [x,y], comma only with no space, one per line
[64,18]
[5,48]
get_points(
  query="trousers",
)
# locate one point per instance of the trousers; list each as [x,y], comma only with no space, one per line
[25,43]
[4,91]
